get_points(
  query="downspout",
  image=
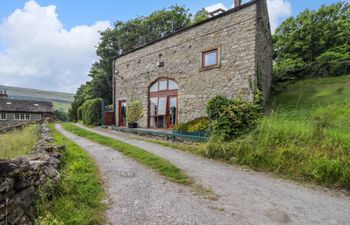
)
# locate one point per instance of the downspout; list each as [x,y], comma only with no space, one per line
[114,91]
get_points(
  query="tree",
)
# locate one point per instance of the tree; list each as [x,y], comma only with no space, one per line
[201,15]
[302,43]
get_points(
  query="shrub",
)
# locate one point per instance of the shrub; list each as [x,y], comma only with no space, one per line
[234,118]
[60,115]
[91,111]
[80,113]
[134,111]
[216,105]
[198,124]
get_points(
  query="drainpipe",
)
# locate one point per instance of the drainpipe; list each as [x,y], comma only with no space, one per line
[114,91]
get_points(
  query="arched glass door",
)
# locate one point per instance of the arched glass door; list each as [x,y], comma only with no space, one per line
[163,104]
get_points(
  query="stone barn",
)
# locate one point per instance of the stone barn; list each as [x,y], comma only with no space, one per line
[229,54]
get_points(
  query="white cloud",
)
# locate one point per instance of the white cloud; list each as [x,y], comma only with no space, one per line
[214,7]
[278,11]
[39,52]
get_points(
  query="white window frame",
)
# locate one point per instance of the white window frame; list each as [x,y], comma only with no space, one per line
[3,116]
[23,116]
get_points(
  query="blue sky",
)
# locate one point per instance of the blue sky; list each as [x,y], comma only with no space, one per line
[76,12]
[51,44]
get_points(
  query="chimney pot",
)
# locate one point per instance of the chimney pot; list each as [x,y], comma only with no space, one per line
[237,3]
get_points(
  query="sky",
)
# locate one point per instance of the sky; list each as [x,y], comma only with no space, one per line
[51,44]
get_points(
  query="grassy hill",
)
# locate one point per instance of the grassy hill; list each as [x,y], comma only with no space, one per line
[60,100]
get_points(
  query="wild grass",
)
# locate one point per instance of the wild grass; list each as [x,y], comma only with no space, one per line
[19,142]
[162,166]
[78,197]
[306,136]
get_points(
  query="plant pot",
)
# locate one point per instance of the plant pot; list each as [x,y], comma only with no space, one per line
[132,125]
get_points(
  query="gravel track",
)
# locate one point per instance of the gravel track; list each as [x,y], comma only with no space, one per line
[246,197]
[138,195]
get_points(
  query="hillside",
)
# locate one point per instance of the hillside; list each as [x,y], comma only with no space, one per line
[60,100]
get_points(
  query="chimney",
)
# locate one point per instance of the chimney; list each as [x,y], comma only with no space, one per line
[3,94]
[237,3]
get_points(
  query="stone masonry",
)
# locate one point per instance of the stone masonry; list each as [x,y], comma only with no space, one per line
[22,179]
[243,38]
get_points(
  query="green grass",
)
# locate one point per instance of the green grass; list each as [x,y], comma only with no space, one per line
[305,137]
[162,166]
[78,197]
[19,142]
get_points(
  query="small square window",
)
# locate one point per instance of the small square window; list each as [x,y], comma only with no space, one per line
[27,116]
[210,58]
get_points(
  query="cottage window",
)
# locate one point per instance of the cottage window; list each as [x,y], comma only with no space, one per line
[22,116]
[3,116]
[210,58]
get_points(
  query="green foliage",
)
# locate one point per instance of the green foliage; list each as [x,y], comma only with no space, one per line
[91,111]
[78,197]
[198,124]
[134,111]
[200,16]
[19,142]
[60,115]
[314,43]
[80,113]
[162,166]
[231,118]
[216,105]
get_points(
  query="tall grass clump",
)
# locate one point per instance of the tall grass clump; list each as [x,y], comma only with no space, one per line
[19,142]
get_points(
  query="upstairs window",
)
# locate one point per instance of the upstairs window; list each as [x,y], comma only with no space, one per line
[3,116]
[210,58]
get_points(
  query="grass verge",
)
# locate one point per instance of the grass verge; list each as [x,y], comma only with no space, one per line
[19,142]
[78,197]
[162,166]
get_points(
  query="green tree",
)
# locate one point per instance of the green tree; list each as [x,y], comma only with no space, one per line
[302,43]
[201,15]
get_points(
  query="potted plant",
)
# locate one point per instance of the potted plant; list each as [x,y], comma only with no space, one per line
[134,112]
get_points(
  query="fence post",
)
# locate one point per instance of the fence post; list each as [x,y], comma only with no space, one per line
[103,113]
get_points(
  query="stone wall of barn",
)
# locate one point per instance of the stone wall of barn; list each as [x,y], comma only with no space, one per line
[234,33]
[263,49]
[23,179]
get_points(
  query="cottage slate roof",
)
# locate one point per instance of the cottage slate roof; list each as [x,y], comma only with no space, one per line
[30,106]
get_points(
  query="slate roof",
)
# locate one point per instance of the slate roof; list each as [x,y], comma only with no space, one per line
[15,105]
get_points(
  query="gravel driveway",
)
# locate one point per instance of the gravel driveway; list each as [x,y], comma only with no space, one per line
[246,197]
[139,196]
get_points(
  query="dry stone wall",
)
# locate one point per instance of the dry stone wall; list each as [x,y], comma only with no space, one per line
[24,179]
